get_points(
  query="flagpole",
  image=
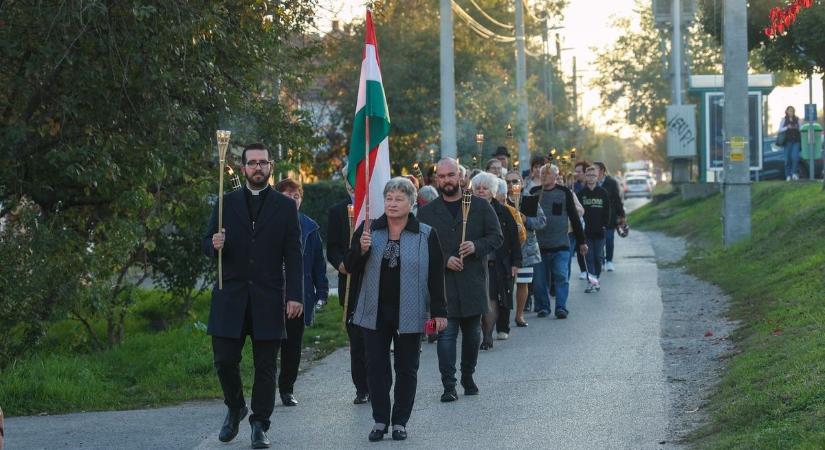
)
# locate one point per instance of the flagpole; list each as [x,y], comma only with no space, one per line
[367,173]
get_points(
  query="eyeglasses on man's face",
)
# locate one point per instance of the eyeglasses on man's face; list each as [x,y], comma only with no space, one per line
[261,164]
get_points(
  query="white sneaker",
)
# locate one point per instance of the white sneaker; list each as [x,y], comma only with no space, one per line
[795,177]
[583,276]
[787,178]
[501,336]
[609,266]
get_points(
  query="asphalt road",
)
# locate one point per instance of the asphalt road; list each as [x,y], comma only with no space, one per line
[593,381]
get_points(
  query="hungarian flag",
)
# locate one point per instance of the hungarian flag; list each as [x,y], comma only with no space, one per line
[371,108]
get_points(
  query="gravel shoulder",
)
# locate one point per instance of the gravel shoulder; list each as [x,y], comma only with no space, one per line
[695,337]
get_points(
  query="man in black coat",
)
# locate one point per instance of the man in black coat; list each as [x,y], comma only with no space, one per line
[338,242]
[465,274]
[262,282]
[617,214]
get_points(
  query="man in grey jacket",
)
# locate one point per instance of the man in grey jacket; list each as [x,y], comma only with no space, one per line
[559,206]
[465,275]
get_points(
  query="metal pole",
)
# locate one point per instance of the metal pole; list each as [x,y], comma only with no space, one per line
[680,166]
[448,131]
[737,194]
[521,93]
[548,81]
[811,153]
[676,52]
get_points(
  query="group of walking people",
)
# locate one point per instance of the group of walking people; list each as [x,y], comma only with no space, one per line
[442,264]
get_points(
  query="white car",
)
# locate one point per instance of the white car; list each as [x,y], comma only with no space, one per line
[638,187]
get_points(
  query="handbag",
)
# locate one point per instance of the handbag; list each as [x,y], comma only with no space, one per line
[780,139]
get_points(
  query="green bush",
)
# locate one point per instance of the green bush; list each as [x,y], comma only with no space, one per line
[319,197]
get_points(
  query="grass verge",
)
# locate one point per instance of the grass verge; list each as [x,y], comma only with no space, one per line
[773,392]
[148,369]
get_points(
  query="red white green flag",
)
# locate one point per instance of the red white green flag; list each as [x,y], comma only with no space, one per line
[371,108]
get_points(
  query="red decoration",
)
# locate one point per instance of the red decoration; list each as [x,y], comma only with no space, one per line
[782,18]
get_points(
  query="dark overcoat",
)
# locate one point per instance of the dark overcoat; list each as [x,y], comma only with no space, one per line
[338,243]
[467,291]
[262,266]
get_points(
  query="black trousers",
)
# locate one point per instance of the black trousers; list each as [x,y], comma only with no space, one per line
[406,355]
[227,358]
[291,354]
[503,320]
[358,359]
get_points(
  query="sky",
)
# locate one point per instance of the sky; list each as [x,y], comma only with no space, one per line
[587,25]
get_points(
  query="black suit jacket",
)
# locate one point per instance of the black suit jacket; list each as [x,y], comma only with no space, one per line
[338,243]
[261,267]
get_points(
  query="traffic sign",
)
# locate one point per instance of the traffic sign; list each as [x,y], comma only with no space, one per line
[810,112]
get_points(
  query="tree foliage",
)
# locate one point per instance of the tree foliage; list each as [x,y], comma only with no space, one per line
[633,73]
[800,50]
[107,118]
[408,42]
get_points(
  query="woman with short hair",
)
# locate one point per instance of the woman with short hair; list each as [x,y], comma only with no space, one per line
[503,268]
[401,270]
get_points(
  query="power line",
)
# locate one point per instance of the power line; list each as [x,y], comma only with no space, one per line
[478,28]
[487,16]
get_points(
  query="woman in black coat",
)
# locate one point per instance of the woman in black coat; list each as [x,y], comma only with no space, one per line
[503,268]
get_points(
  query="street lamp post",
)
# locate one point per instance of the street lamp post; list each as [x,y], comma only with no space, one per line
[480,145]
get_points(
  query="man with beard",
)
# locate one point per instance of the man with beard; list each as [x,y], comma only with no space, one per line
[465,276]
[262,282]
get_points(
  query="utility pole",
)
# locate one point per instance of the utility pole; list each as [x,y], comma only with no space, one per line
[523,127]
[548,74]
[680,167]
[736,187]
[448,132]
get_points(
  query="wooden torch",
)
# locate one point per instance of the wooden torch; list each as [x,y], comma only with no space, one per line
[223,144]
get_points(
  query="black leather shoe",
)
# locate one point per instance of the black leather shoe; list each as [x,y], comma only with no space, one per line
[399,434]
[469,386]
[360,399]
[449,395]
[561,313]
[230,424]
[289,400]
[521,324]
[259,437]
[377,434]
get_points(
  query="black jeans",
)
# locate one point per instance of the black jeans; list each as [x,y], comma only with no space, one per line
[227,358]
[291,355]
[379,373]
[358,359]
[471,339]
[503,320]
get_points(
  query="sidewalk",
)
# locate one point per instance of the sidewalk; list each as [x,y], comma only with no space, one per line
[595,380]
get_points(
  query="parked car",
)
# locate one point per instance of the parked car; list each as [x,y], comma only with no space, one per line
[773,163]
[636,186]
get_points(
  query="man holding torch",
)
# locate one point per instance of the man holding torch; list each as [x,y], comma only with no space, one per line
[469,233]
[260,247]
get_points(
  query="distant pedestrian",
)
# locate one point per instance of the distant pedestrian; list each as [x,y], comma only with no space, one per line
[596,205]
[494,167]
[558,203]
[316,289]
[534,178]
[399,262]
[428,193]
[338,243]
[793,140]
[465,274]
[262,287]
[578,185]
[617,215]
[503,156]
[530,253]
